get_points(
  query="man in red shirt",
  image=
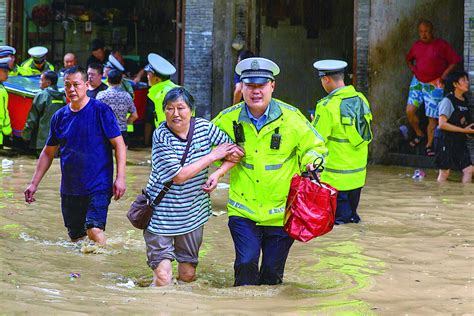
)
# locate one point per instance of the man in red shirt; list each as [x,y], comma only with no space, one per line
[430,60]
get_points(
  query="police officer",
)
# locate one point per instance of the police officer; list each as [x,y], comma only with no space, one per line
[158,72]
[278,142]
[8,51]
[343,119]
[37,63]
[113,63]
[5,125]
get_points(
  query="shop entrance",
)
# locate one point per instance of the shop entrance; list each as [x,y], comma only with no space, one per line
[296,33]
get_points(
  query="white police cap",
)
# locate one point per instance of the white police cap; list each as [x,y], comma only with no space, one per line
[329,66]
[38,51]
[113,63]
[5,63]
[257,70]
[158,64]
[7,51]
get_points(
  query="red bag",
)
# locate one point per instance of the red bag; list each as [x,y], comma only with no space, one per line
[310,208]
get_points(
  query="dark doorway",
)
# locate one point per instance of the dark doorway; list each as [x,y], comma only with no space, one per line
[295,34]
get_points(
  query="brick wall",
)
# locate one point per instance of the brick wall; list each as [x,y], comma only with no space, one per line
[361,43]
[3,22]
[469,42]
[198,53]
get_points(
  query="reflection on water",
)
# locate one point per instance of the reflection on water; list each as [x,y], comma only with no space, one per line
[411,254]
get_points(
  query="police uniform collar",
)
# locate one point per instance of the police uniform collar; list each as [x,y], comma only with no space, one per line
[274,112]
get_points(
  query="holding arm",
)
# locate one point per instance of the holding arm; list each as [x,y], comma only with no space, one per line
[44,162]
[444,125]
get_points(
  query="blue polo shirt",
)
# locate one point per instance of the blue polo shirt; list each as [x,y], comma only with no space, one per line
[258,122]
[85,149]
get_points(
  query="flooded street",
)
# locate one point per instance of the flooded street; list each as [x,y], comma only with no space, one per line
[411,254]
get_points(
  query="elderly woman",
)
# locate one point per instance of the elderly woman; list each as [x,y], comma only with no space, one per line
[176,228]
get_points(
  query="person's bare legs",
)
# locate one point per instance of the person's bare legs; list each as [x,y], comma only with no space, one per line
[443,175]
[432,123]
[413,120]
[97,235]
[186,272]
[163,274]
[467,174]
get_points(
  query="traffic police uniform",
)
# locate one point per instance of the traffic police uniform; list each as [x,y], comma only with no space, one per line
[113,63]
[282,145]
[38,56]
[343,119]
[159,66]
[8,51]
[5,125]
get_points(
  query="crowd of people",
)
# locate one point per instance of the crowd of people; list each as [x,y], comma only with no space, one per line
[260,140]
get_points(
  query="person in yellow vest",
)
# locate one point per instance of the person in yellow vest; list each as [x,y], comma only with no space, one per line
[158,73]
[8,51]
[37,63]
[113,63]
[279,142]
[5,125]
[343,119]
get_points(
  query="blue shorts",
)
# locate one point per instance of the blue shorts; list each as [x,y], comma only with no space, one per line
[81,212]
[428,93]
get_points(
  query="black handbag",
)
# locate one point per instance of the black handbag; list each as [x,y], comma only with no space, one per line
[141,210]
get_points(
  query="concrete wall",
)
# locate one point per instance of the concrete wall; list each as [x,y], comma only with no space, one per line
[3,22]
[392,31]
[361,43]
[198,41]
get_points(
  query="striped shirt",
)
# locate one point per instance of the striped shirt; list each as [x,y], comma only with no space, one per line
[186,206]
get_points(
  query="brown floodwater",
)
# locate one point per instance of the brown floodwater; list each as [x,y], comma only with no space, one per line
[412,254]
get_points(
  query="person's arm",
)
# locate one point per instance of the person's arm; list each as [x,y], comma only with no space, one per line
[132,118]
[213,179]
[139,76]
[237,93]
[133,112]
[445,126]
[120,158]
[193,169]
[447,71]
[44,162]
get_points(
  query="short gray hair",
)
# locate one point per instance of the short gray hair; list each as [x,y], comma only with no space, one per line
[177,93]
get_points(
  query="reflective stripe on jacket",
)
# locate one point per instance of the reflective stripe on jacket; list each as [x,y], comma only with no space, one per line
[343,120]
[259,184]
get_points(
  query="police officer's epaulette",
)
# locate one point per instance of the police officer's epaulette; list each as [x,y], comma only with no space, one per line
[233,108]
[285,105]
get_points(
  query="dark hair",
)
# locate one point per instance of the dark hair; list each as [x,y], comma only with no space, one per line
[337,76]
[244,54]
[98,67]
[425,22]
[452,78]
[97,44]
[178,93]
[114,76]
[51,76]
[75,70]
[162,77]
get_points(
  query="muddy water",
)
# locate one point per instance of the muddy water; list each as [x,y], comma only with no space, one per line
[412,254]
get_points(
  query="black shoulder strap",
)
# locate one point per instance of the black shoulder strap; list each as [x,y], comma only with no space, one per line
[168,184]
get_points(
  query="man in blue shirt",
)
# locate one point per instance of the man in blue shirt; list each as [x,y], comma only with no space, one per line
[85,131]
